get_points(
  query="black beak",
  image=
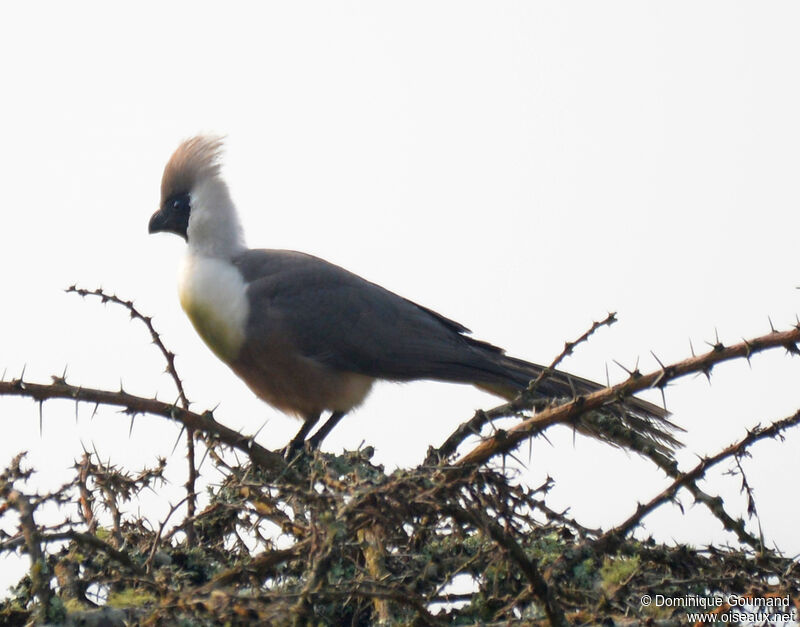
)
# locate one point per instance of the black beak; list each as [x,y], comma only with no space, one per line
[159,221]
[173,217]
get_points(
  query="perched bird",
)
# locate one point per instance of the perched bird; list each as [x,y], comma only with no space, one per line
[308,336]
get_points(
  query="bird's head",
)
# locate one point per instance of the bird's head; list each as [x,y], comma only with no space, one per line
[195,202]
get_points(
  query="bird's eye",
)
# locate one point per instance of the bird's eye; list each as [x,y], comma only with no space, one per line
[179,202]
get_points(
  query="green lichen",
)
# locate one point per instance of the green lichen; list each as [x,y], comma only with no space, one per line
[617,570]
[73,605]
[130,597]
[102,534]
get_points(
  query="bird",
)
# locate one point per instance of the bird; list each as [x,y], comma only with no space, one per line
[309,337]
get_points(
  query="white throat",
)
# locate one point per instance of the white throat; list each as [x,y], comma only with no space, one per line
[214,229]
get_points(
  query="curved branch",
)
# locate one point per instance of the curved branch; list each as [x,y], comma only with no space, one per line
[169,356]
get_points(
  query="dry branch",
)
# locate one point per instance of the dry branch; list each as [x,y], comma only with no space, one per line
[133,404]
[685,479]
[527,399]
[507,440]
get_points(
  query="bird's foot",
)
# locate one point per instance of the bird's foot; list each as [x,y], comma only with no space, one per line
[296,448]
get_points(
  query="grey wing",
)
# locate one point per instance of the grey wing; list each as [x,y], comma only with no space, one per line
[347,323]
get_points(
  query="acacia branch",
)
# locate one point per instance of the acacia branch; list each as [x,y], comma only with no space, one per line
[525,399]
[133,404]
[569,348]
[169,357]
[713,503]
[688,478]
[260,566]
[507,440]
[86,539]
[611,539]
[135,314]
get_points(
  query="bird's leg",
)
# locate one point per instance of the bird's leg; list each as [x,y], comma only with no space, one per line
[299,439]
[315,440]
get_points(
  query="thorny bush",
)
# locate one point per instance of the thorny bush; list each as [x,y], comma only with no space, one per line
[336,540]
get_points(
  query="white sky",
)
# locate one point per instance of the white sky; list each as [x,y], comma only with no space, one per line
[520,167]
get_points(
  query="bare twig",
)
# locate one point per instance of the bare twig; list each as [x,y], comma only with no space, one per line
[135,314]
[133,404]
[569,348]
[148,565]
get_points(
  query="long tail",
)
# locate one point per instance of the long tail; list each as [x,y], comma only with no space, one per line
[633,424]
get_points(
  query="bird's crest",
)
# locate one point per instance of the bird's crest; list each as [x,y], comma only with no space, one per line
[195,160]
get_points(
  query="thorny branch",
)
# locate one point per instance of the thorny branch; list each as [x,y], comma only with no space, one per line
[569,348]
[169,357]
[133,404]
[135,314]
[86,539]
[714,504]
[525,400]
[509,439]
[684,479]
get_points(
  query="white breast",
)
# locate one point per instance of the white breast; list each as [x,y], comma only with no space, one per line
[213,294]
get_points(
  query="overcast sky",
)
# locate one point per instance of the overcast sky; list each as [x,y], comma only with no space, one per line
[523,168]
